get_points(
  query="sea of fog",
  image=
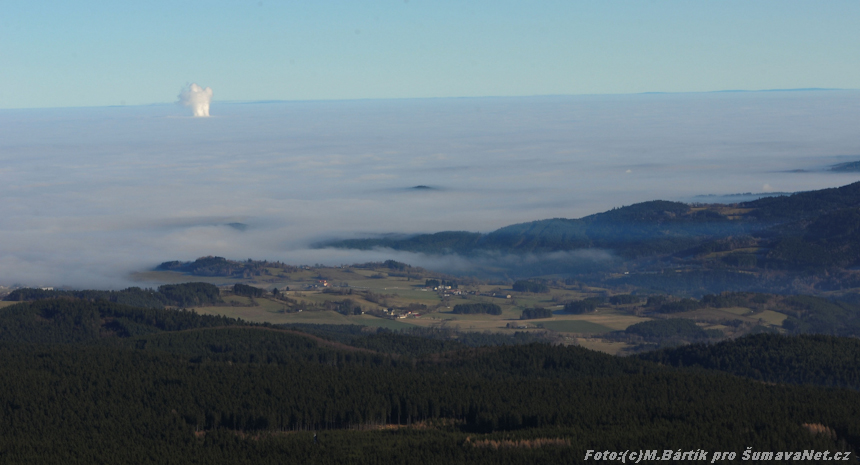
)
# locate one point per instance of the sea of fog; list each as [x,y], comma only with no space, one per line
[90,195]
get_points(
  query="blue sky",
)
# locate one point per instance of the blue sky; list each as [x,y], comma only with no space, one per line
[95,53]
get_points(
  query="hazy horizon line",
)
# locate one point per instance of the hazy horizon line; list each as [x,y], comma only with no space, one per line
[268,101]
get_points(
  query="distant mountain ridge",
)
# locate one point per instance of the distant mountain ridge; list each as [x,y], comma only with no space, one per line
[827,220]
[628,228]
[635,230]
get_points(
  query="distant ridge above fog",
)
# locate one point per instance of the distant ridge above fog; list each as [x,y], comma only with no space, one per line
[801,89]
[849,167]
[651,228]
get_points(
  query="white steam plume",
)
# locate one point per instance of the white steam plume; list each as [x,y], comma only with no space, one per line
[197,98]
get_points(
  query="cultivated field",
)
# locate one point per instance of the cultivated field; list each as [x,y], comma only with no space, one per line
[377,296]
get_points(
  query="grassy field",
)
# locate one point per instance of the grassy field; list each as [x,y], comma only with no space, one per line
[772,318]
[311,293]
[706,315]
[272,311]
[261,315]
[574,326]
[397,296]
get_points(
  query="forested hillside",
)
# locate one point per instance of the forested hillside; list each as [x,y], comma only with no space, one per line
[808,359]
[804,204]
[788,234]
[98,382]
[220,266]
[177,295]
[637,230]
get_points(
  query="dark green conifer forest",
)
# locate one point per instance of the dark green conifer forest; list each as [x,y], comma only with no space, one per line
[95,381]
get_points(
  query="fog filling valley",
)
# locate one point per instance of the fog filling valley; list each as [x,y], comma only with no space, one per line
[91,195]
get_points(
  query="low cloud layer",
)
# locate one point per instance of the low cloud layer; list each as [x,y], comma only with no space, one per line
[93,194]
